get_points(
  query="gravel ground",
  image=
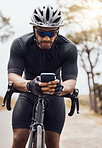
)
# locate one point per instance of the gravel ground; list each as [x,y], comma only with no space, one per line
[80,131]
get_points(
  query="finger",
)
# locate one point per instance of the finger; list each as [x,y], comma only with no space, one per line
[46,92]
[54,82]
[43,84]
[52,85]
[38,78]
[45,88]
[52,90]
[51,93]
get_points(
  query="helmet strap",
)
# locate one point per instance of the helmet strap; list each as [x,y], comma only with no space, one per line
[36,38]
[39,44]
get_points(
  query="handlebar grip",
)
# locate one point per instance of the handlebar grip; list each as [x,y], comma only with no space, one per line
[8,104]
[8,99]
[72,108]
[5,98]
[74,100]
[77,104]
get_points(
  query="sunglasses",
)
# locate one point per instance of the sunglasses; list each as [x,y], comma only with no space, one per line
[50,34]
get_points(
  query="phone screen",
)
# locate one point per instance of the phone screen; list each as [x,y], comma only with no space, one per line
[46,77]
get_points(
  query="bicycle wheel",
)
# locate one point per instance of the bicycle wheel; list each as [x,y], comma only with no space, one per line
[33,140]
[39,136]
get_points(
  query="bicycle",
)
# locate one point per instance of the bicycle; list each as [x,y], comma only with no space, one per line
[37,134]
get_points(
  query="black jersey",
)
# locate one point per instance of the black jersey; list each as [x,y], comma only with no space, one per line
[25,55]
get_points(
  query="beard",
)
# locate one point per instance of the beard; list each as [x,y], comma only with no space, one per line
[46,44]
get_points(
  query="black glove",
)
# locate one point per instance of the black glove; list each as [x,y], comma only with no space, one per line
[33,86]
[58,89]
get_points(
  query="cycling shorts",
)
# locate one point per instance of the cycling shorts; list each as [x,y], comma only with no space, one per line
[54,116]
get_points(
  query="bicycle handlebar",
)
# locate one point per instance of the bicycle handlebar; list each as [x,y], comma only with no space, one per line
[73,96]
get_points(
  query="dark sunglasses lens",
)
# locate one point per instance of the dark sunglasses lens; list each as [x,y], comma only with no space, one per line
[39,33]
[43,33]
[51,34]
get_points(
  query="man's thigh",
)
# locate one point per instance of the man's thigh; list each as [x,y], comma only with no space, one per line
[22,114]
[55,115]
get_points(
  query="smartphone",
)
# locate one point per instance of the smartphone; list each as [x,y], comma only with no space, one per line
[46,77]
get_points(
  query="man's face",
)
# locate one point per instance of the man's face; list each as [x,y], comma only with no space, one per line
[45,36]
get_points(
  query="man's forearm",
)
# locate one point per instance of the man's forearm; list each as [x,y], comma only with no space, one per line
[69,85]
[18,82]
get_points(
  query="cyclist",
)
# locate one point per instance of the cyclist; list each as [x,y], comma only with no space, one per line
[43,50]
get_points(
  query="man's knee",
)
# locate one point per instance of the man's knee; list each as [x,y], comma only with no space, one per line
[20,137]
[52,139]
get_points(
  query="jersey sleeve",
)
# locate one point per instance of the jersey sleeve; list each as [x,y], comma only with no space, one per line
[16,61]
[69,67]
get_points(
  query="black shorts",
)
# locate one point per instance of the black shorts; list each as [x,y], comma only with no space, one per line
[53,119]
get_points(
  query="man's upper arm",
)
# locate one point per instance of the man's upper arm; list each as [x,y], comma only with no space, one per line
[16,60]
[69,67]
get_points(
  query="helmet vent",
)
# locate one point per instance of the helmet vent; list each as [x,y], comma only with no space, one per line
[37,19]
[54,12]
[47,14]
[57,20]
[59,13]
[35,12]
[41,12]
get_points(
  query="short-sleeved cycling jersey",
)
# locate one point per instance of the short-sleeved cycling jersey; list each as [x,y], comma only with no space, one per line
[26,56]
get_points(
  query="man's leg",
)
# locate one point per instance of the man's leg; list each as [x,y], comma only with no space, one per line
[20,137]
[21,120]
[53,122]
[52,139]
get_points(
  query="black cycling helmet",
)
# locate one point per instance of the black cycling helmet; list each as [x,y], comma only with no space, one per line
[47,17]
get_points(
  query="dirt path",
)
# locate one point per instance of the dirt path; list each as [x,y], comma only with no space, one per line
[80,131]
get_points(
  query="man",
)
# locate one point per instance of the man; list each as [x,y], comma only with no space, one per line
[43,50]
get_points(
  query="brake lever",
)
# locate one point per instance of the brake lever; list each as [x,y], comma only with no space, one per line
[72,110]
[7,97]
[74,101]
[77,105]
[76,92]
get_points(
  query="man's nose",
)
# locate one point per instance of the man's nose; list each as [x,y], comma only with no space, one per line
[46,38]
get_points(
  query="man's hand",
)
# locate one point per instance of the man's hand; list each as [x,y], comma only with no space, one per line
[52,87]
[39,88]
[34,87]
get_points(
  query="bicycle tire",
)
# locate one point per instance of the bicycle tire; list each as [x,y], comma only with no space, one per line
[33,140]
[39,136]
